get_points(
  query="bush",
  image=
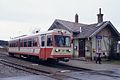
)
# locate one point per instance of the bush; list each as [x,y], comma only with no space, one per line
[115,56]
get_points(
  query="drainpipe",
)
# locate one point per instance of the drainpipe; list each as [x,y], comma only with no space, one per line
[91,50]
[73,49]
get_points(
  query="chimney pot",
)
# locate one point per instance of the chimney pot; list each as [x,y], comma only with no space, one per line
[76,18]
[100,16]
[99,10]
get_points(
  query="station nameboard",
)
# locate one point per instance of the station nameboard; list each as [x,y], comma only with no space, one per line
[98,37]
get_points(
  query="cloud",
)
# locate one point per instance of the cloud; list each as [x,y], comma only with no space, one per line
[12,29]
[20,16]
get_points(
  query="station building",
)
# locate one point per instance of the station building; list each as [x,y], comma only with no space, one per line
[89,39]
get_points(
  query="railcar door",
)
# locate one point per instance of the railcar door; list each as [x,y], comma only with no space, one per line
[46,46]
[49,45]
[43,46]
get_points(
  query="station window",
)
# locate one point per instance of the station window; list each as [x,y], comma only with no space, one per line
[35,42]
[99,47]
[49,40]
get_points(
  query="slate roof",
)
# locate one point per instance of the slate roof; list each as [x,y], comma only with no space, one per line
[71,26]
[74,27]
[86,30]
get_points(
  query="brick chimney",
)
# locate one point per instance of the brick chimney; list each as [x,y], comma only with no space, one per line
[100,16]
[76,18]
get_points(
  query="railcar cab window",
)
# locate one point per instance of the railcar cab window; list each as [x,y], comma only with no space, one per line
[49,40]
[34,42]
[62,41]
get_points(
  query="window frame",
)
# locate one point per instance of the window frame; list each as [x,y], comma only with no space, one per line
[25,45]
[51,44]
[30,44]
[43,40]
[35,42]
[57,43]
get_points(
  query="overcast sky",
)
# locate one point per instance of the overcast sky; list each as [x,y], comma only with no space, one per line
[18,17]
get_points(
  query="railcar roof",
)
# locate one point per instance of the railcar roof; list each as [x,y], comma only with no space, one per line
[31,35]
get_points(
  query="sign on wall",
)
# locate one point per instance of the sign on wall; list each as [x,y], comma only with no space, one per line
[98,37]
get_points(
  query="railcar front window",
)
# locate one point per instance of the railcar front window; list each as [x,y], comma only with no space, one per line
[62,41]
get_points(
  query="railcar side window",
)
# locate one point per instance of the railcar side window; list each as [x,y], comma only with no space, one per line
[49,40]
[21,43]
[16,44]
[25,43]
[35,42]
[11,44]
[29,43]
[42,41]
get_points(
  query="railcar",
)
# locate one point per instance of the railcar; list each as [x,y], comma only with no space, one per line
[50,45]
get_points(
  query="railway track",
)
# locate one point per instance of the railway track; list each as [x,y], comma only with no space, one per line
[23,67]
[36,71]
[59,74]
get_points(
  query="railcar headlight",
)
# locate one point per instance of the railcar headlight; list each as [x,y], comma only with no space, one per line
[57,50]
[68,50]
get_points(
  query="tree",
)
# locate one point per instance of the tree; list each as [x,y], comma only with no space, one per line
[112,49]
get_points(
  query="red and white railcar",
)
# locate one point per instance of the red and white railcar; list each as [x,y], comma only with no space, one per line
[54,44]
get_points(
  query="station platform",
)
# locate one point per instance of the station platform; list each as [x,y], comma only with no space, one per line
[92,65]
[104,68]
